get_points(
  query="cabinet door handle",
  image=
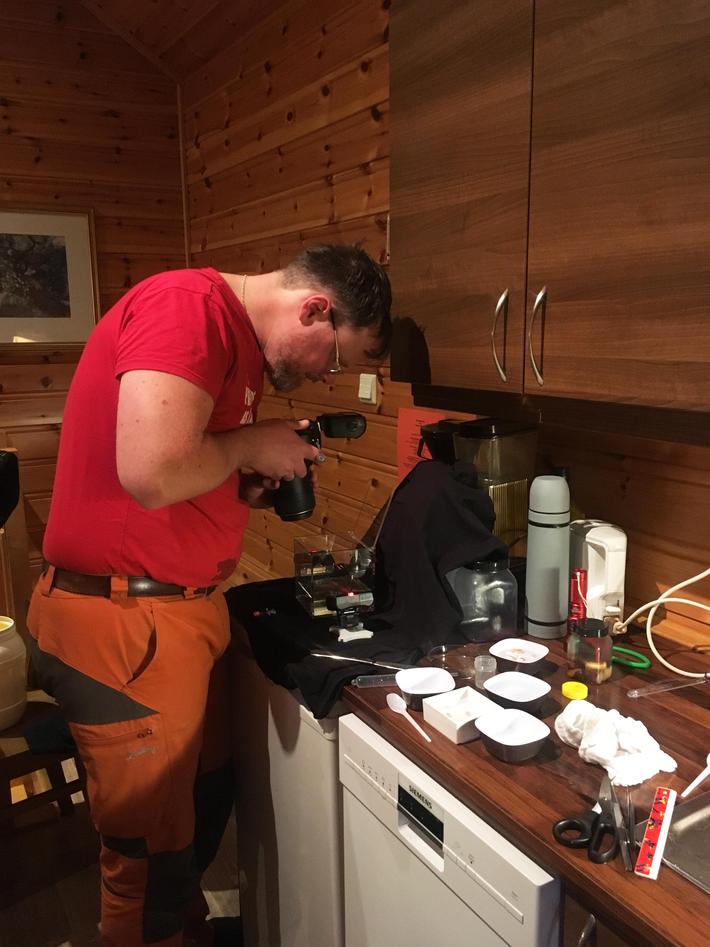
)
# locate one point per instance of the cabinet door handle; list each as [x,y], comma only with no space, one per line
[539,306]
[588,936]
[502,307]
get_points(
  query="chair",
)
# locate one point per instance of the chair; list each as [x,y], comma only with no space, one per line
[21,770]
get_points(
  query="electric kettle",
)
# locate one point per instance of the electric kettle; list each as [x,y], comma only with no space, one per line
[600,548]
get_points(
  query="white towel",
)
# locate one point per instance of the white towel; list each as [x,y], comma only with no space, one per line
[622,745]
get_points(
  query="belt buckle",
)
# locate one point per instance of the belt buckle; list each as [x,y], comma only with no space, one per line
[119,588]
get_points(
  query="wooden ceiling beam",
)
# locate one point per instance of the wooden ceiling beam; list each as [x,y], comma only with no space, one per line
[97,7]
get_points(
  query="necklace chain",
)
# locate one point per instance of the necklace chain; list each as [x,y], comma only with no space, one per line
[244,286]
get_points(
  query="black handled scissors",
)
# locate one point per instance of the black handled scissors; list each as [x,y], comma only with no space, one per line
[596,829]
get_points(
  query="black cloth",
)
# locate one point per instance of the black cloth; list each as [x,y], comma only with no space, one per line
[438,520]
[282,636]
[49,736]
[9,484]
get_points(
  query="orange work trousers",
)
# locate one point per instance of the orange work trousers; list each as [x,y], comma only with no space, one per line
[140,682]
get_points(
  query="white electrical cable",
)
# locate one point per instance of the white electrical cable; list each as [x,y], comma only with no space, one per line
[655,605]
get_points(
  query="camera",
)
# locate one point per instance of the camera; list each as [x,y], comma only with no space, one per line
[294,499]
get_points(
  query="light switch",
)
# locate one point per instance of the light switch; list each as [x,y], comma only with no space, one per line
[367,390]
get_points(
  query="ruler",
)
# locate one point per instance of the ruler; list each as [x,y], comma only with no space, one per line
[650,853]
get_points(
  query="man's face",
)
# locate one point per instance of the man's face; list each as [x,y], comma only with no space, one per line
[314,352]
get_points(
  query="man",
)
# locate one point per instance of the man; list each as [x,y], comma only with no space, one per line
[160,457]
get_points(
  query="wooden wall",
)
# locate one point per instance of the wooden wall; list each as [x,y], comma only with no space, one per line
[287,145]
[659,493]
[285,126]
[286,136]
[85,123]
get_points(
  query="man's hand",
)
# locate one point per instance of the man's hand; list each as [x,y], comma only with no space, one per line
[273,449]
[256,490]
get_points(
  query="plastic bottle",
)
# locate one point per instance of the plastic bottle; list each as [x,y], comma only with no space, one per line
[13,679]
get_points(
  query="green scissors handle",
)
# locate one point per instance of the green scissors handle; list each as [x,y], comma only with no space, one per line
[634,659]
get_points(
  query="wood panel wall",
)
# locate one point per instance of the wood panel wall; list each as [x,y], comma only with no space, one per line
[85,123]
[658,491]
[287,145]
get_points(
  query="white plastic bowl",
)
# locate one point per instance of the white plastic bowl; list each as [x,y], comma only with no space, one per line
[519,654]
[512,735]
[517,690]
[418,683]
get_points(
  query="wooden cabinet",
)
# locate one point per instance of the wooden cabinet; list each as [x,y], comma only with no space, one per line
[620,201]
[460,101]
[616,212]
[582,928]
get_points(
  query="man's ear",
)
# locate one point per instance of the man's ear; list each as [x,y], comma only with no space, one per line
[315,308]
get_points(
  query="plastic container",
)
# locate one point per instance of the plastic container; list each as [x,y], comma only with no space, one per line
[485,667]
[420,682]
[512,735]
[454,714]
[487,593]
[519,654]
[517,690]
[589,650]
[13,677]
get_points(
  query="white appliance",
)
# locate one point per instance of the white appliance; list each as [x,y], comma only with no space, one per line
[422,869]
[289,820]
[600,548]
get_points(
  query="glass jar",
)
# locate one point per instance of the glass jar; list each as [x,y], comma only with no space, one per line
[589,650]
[487,593]
[13,678]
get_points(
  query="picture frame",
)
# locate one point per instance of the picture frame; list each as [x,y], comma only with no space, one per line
[48,276]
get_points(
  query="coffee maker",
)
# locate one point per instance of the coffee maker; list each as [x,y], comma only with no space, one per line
[503,454]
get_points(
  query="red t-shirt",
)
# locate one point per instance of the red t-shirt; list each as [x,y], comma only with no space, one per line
[188,323]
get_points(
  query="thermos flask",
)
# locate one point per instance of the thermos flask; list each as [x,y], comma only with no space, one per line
[547,570]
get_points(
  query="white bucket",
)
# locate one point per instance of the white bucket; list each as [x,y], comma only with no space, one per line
[13,679]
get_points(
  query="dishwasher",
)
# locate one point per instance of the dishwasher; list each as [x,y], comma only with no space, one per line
[421,868]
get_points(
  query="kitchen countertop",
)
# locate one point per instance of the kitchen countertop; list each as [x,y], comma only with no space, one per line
[523,800]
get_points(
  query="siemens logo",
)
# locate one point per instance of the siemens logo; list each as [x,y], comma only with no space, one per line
[419,796]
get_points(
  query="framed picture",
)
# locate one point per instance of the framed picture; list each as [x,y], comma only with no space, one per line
[48,289]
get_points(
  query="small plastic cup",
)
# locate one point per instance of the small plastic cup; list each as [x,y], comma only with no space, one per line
[484,667]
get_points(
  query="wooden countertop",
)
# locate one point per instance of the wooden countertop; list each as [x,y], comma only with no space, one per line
[524,800]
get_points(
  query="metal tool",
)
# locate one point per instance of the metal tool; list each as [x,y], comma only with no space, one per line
[670,684]
[377,664]
[350,660]
[622,830]
[595,829]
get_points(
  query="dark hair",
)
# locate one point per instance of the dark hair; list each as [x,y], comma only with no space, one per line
[359,285]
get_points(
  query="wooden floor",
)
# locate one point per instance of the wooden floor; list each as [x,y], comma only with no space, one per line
[49,881]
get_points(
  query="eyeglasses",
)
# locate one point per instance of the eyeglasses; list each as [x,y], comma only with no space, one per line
[338,370]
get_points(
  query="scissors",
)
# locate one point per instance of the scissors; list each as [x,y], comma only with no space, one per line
[595,829]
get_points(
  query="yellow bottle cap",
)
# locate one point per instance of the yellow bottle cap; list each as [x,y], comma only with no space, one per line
[575,690]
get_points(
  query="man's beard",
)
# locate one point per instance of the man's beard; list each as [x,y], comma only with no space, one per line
[284,376]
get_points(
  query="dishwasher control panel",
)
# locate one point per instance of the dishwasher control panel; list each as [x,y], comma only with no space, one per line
[506,889]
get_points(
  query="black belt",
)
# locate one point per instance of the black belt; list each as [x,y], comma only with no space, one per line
[83,584]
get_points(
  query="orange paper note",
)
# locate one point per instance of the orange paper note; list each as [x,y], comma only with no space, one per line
[409,422]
